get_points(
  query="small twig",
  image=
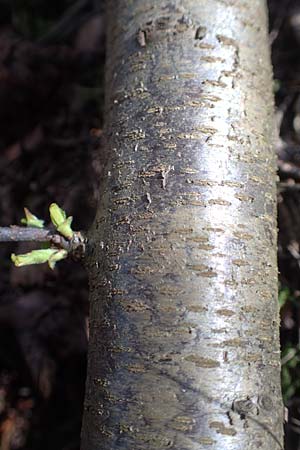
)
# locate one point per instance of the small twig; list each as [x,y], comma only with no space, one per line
[279,21]
[288,187]
[288,170]
[74,246]
[22,234]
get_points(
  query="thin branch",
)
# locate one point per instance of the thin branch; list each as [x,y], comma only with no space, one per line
[288,170]
[288,187]
[75,246]
[22,234]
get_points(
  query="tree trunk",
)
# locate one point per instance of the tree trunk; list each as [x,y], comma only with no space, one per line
[184,350]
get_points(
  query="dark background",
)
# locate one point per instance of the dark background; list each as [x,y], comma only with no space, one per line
[51,95]
[51,98]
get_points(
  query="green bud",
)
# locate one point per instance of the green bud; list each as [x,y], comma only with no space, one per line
[31,220]
[65,228]
[33,257]
[61,221]
[57,256]
[58,215]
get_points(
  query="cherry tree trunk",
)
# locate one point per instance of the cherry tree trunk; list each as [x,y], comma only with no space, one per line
[184,347]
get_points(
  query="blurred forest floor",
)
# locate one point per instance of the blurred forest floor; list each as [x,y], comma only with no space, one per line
[51,97]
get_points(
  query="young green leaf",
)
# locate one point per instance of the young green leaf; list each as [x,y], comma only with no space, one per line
[33,257]
[31,220]
[57,256]
[61,221]
[65,228]
[58,215]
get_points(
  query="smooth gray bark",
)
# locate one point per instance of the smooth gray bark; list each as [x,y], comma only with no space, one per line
[184,347]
